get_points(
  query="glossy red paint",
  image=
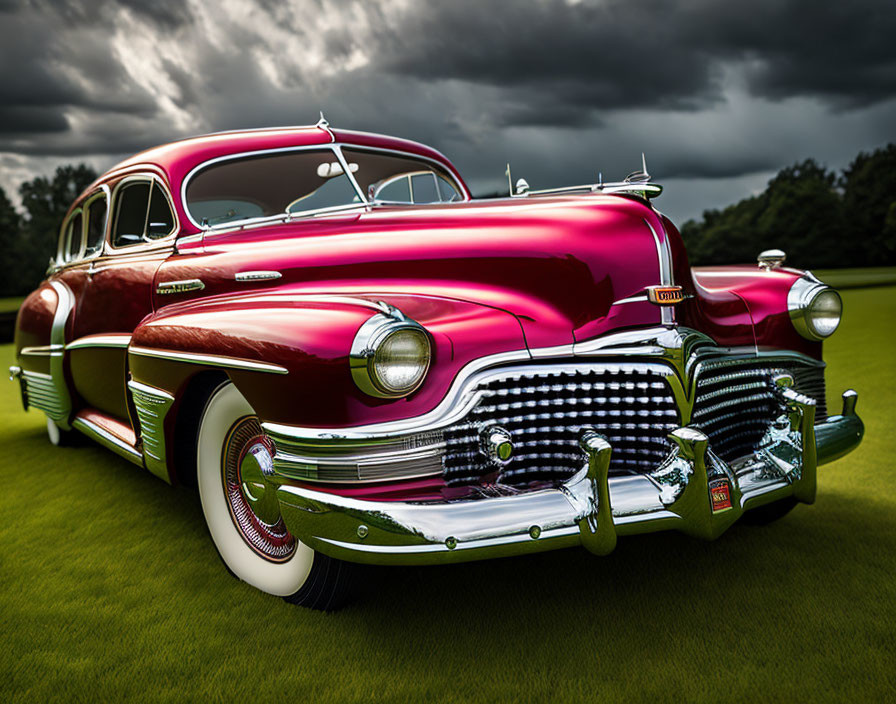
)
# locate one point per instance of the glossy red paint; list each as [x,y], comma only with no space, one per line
[483,277]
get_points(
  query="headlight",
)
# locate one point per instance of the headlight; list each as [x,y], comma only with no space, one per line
[390,355]
[815,309]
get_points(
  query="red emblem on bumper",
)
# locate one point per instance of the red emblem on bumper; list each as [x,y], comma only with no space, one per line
[720,494]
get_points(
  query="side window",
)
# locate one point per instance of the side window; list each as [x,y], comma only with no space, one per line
[130,214]
[448,192]
[73,237]
[397,191]
[161,219]
[424,186]
[96,225]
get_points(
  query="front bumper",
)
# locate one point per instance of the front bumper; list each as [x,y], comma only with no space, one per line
[692,491]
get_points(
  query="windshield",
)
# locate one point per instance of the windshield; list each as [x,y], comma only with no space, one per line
[268,184]
[294,182]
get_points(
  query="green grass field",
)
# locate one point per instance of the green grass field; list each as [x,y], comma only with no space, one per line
[110,590]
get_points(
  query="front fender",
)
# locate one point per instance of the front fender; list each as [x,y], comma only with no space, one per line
[288,353]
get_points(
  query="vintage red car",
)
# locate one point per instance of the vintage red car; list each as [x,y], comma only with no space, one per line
[356,362]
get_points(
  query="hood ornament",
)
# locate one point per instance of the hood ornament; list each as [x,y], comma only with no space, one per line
[641,176]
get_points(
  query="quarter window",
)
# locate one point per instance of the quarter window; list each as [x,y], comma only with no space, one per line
[96,225]
[73,237]
[161,219]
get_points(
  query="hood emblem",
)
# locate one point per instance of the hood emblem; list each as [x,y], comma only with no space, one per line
[665,295]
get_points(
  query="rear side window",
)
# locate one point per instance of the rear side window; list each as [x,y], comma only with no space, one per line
[142,214]
[73,237]
[161,219]
[132,206]
[96,225]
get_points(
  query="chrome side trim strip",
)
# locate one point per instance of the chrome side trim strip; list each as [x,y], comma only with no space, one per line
[211,360]
[183,286]
[631,299]
[43,351]
[116,340]
[257,275]
[152,406]
[108,440]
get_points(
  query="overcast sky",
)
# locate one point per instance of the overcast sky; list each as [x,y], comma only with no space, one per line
[719,95]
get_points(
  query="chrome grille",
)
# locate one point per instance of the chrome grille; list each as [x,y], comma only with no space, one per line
[545,409]
[735,400]
[734,407]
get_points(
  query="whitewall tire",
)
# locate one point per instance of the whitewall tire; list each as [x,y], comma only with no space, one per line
[242,512]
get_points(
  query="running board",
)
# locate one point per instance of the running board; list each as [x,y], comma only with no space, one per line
[109,432]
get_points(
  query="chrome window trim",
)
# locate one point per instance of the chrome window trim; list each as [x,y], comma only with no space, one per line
[104,191]
[211,360]
[62,244]
[167,240]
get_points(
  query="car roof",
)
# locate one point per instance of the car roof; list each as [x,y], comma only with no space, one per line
[177,159]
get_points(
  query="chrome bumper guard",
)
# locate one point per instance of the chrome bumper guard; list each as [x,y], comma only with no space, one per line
[692,491]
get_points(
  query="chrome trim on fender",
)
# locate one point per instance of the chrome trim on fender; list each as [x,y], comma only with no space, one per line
[54,397]
[211,360]
[108,440]
[183,286]
[244,276]
[152,405]
[667,314]
[43,351]
[113,340]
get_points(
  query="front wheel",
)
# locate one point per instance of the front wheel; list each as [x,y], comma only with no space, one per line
[233,467]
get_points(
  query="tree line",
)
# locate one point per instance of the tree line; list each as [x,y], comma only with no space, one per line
[28,240]
[821,218]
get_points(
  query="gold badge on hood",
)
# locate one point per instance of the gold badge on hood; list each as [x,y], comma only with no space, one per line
[665,295]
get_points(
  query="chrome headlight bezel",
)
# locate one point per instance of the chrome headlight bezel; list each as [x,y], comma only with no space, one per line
[805,293]
[370,338]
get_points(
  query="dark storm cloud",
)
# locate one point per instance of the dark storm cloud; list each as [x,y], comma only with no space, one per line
[651,54]
[708,89]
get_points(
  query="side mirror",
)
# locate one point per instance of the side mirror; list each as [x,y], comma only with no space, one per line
[771,259]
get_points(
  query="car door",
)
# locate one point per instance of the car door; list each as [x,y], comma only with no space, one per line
[117,295]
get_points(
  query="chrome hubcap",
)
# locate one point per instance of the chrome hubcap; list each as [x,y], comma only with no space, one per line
[247,466]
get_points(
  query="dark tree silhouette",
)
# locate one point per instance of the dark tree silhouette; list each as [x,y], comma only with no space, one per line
[46,202]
